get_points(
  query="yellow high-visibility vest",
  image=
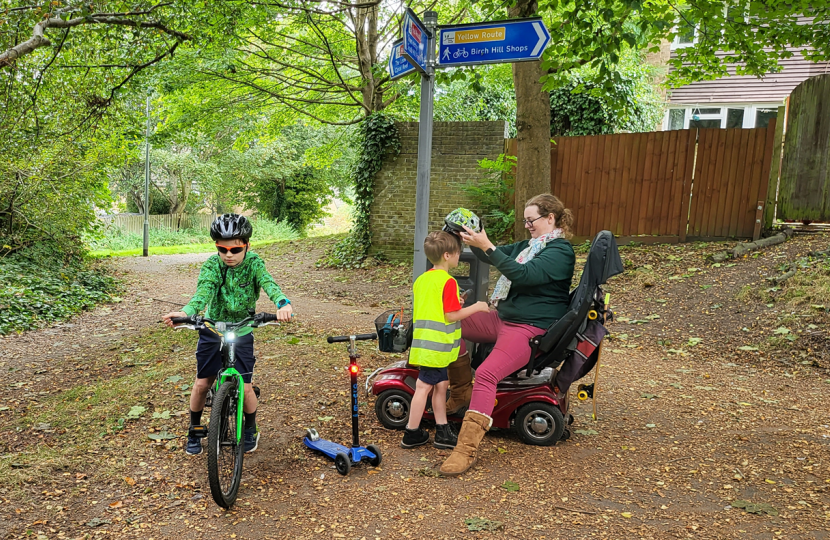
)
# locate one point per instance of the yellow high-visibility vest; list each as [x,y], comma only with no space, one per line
[435,341]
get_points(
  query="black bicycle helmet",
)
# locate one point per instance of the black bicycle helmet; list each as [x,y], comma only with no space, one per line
[231,227]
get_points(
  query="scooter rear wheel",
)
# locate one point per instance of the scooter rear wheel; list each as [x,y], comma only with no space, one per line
[539,424]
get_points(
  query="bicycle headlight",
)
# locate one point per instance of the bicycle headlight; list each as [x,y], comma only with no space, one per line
[230,336]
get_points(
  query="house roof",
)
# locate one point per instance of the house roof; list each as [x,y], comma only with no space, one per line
[772,88]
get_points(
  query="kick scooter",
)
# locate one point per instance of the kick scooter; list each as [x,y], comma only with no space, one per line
[344,457]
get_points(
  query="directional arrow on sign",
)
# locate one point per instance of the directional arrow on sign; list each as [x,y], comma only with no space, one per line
[495,42]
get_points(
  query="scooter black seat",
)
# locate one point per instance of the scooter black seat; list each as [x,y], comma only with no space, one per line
[521,380]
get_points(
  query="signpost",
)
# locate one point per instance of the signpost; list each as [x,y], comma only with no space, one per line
[416,38]
[492,43]
[399,66]
[516,40]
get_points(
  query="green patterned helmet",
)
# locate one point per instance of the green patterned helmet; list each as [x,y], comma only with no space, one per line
[459,218]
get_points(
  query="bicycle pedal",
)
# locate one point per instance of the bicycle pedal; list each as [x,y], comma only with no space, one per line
[209,398]
[197,431]
[256,390]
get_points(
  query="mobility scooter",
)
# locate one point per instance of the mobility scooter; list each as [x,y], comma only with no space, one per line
[532,401]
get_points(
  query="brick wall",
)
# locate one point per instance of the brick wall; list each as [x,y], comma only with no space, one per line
[457,147]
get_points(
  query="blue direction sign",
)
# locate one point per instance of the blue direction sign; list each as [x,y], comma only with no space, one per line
[415,41]
[398,64]
[493,42]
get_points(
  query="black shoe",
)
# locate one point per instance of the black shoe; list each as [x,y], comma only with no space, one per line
[414,437]
[194,446]
[445,436]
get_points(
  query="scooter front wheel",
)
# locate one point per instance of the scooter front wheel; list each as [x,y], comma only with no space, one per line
[375,462]
[342,463]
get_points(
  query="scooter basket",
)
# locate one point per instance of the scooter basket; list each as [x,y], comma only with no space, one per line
[394,329]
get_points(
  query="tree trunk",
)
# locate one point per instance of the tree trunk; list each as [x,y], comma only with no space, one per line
[366,40]
[532,126]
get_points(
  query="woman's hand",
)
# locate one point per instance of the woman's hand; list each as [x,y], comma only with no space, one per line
[284,313]
[478,240]
[167,318]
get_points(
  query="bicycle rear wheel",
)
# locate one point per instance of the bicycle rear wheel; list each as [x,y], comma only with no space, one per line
[226,447]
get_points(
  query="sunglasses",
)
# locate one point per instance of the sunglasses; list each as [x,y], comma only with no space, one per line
[235,250]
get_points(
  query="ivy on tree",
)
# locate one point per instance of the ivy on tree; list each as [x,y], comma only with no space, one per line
[378,137]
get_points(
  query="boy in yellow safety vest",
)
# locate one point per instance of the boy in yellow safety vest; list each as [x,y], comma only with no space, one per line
[436,338]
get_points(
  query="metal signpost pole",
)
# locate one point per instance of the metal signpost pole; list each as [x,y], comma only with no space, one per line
[424,149]
[491,42]
[147,184]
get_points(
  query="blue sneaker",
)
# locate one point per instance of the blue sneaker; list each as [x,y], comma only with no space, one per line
[194,446]
[251,439]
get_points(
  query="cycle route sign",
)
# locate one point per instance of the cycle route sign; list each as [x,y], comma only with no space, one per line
[398,64]
[416,38]
[493,42]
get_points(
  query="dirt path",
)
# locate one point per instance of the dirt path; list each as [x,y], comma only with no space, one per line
[684,430]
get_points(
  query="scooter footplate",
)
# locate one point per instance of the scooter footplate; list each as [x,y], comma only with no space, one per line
[329,448]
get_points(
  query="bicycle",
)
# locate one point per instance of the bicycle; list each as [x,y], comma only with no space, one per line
[225,432]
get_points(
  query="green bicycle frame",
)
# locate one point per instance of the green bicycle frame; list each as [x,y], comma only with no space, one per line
[230,372]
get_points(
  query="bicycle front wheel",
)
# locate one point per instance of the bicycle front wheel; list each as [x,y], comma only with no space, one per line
[226,446]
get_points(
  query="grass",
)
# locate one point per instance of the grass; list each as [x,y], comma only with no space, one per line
[172,250]
[117,243]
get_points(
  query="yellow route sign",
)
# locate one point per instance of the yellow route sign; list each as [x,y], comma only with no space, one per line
[478,35]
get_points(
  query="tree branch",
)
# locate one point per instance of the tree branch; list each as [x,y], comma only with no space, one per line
[39,39]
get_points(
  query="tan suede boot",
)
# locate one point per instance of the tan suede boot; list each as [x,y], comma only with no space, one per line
[464,455]
[460,375]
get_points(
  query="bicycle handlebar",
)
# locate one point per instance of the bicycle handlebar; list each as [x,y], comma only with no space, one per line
[358,337]
[259,318]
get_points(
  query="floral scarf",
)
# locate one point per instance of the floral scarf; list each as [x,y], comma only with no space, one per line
[533,248]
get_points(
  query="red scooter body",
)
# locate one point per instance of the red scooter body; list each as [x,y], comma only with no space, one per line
[534,397]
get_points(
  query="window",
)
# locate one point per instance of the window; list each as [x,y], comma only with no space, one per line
[734,118]
[719,116]
[763,116]
[677,118]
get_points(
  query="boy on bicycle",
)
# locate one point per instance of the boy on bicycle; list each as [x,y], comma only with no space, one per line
[436,334]
[228,287]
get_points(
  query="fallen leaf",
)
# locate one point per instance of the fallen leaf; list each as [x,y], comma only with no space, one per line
[129,481]
[117,504]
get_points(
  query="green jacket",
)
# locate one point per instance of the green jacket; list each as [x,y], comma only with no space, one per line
[226,293]
[540,289]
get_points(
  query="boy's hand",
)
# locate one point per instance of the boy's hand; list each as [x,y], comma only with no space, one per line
[167,318]
[284,313]
[482,307]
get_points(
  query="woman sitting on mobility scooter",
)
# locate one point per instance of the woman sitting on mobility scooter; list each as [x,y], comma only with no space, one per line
[531,294]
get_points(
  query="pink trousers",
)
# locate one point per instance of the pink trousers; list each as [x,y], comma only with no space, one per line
[511,353]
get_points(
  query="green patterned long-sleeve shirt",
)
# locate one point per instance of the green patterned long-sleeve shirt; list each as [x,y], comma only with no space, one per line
[227,293]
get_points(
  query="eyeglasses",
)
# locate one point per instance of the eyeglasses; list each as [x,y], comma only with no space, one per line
[235,250]
[529,222]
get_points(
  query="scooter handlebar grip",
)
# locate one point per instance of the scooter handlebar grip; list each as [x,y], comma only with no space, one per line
[181,320]
[358,337]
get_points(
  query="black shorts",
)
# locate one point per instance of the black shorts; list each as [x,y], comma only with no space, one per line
[432,375]
[209,356]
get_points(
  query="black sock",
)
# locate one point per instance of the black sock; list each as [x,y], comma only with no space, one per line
[250,420]
[195,418]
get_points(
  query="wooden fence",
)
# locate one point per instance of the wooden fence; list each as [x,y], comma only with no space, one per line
[134,223]
[672,185]
[804,191]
